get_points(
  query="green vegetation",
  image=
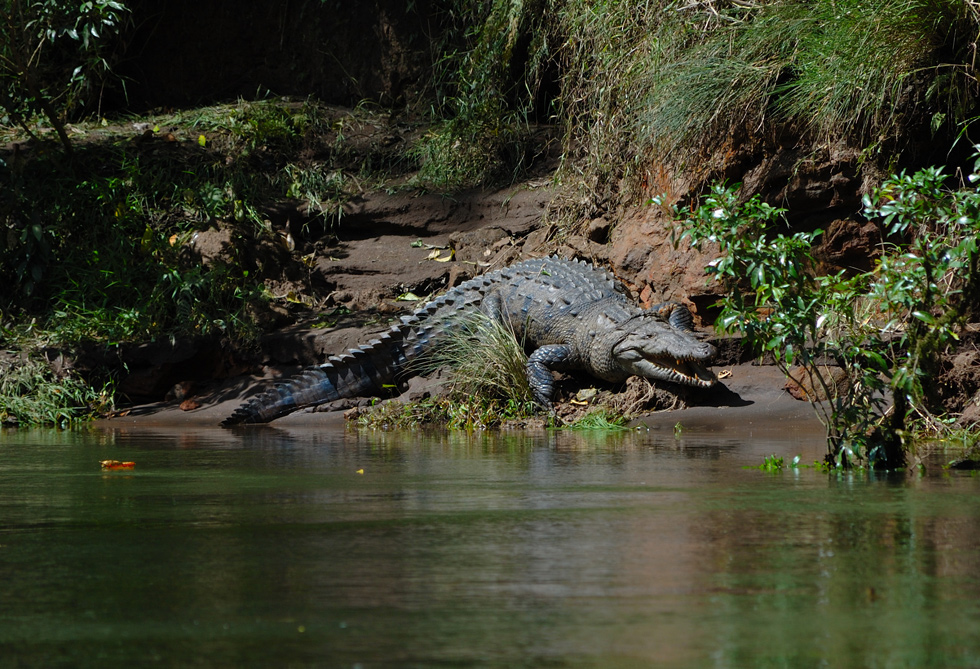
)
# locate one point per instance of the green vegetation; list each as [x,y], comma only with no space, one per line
[772,464]
[108,251]
[472,413]
[486,360]
[32,394]
[844,69]
[457,412]
[649,97]
[487,384]
[600,418]
[882,330]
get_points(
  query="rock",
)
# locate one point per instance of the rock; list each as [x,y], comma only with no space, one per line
[537,242]
[834,378]
[577,246]
[642,253]
[847,243]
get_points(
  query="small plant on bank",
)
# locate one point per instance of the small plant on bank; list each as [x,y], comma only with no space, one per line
[600,418]
[487,383]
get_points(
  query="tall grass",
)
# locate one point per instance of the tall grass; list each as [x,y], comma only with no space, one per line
[487,85]
[649,84]
[638,83]
[485,359]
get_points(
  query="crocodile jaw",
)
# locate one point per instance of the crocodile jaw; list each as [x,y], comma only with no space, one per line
[662,352]
[689,372]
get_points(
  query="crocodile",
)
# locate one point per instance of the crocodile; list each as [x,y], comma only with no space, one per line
[570,315]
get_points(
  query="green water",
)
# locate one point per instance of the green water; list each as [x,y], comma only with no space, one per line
[304,548]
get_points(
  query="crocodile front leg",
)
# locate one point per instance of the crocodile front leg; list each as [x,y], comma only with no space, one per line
[539,366]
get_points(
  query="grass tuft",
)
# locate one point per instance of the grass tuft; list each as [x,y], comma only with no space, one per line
[485,360]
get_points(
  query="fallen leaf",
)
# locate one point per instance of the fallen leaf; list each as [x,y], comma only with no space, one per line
[116,464]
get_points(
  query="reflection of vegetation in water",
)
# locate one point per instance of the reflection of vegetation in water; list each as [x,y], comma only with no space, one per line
[883,329]
[476,413]
[480,413]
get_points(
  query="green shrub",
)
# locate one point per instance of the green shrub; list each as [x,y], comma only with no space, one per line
[800,320]
[884,329]
[55,57]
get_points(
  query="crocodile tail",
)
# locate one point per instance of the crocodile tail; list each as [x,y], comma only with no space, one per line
[362,371]
[359,372]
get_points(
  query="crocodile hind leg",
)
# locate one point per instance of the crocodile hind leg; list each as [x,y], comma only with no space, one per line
[676,314]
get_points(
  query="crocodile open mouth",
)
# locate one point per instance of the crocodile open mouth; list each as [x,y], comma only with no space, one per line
[688,372]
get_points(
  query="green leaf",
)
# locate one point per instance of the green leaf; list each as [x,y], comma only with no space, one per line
[925,317]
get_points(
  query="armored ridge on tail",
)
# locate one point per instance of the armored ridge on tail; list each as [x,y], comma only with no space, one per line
[569,313]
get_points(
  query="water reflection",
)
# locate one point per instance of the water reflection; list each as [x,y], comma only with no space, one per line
[305,547]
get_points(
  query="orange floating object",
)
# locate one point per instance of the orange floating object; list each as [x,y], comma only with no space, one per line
[116,464]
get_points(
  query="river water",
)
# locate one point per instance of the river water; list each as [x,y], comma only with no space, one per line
[293,548]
